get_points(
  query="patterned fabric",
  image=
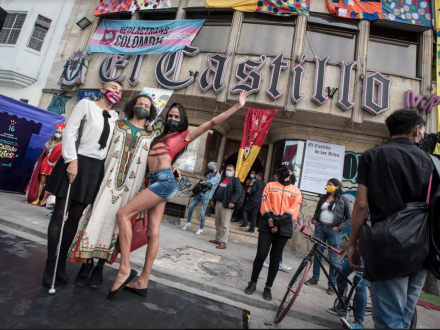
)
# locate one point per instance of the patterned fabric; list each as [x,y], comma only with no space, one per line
[408,11]
[365,9]
[149,4]
[284,7]
[112,6]
[97,236]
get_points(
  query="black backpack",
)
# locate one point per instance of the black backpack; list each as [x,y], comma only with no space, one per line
[239,203]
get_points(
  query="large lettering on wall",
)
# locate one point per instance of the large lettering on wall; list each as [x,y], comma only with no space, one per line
[243,75]
[297,80]
[318,91]
[277,65]
[345,85]
[423,103]
[75,69]
[372,101]
[217,66]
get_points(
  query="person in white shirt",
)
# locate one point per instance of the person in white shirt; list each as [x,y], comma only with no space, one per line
[83,169]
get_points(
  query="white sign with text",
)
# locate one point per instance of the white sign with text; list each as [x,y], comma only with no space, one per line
[322,161]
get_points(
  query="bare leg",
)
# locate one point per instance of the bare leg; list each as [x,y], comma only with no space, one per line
[43,179]
[154,220]
[144,201]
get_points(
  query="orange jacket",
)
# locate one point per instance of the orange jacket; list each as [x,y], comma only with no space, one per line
[281,203]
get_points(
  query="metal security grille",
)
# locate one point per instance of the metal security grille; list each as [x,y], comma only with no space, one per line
[175,210]
[12,28]
[41,27]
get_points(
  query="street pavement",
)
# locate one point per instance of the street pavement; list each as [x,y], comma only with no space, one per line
[190,263]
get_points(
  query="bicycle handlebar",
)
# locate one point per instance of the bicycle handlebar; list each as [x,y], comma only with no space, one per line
[303,231]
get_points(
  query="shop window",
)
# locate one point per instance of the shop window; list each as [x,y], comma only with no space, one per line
[39,33]
[214,35]
[291,151]
[199,153]
[175,210]
[324,40]
[159,14]
[268,35]
[12,28]
[393,51]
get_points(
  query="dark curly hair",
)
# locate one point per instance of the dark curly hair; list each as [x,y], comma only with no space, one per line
[128,108]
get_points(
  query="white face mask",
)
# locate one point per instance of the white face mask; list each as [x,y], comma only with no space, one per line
[58,135]
[229,174]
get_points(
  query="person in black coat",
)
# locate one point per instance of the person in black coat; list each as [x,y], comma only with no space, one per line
[253,203]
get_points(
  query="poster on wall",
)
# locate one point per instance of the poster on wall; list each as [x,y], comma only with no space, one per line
[160,98]
[24,130]
[187,161]
[322,161]
[133,37]
[91,95]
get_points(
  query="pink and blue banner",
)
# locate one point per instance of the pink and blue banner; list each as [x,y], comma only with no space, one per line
[132,37]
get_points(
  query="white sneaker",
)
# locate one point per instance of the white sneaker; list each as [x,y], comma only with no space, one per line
[187,225]
[283,267]
[199,231]
[265,265]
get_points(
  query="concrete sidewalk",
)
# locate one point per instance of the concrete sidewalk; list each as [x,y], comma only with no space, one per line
[189,261]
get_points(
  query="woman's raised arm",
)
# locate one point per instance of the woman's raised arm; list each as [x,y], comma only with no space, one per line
[195,133]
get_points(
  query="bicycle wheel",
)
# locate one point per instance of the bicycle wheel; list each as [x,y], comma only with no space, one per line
[293,290]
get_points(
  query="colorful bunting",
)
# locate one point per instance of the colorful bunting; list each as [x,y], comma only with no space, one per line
[276,8]
[408,11]
[149,4]
[112,6]
[353,9]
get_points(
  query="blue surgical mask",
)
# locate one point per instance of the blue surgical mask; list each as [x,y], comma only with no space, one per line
[252,176]
[229,174]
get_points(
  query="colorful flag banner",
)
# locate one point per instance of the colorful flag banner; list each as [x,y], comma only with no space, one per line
[353,9]
[149,4]
[408,11]
[89,95]
[276,8]
[256,127]
[112,6]
[437,30]
[132,37]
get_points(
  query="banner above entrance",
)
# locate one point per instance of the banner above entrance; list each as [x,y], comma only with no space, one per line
[132,37]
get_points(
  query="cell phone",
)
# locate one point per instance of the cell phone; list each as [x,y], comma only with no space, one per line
[176,173]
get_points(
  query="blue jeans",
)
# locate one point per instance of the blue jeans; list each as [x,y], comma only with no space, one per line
[394,301]
[326,234]
[361,289]
[197,199]
[163,183]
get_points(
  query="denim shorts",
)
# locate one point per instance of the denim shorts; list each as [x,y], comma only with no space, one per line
[163,183]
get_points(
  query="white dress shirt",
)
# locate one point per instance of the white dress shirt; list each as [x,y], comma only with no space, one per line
[92,130]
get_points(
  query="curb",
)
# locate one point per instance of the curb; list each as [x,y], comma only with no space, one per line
[232,294]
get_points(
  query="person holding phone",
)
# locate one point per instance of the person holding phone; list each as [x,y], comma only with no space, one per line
[166,149]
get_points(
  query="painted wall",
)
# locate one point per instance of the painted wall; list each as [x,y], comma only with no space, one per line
[26,61]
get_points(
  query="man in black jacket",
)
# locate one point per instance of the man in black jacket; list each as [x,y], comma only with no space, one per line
[226,195]
[253,203]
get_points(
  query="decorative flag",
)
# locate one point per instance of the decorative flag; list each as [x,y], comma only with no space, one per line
[89,95]
[408,11]
[149,4]
[256,127]
[112,6]
[133,37]
[353,9]
[437,30]
[276,8]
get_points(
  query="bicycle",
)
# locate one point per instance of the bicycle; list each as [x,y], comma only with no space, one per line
[342,303]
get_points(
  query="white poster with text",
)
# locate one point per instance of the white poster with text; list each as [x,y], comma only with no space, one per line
[322,161]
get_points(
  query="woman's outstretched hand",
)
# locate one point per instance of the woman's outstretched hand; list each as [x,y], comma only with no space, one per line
[242,99]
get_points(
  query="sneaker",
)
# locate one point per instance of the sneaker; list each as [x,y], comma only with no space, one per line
[235,221]
[244,226]
[333,311]
[250,232]
[250,288]
[350,325]
[82,279]
[312,281]
[267,294]
[330,291]
[283,267]
[96,279]
[199,231]
[186,226]
[265,265]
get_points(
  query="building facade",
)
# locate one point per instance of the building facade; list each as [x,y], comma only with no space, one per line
[29,41]
[341,54]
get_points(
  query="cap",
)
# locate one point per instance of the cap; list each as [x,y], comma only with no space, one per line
[287,165]
[212,165]
[60,127]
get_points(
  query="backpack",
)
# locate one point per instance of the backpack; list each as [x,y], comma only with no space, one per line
[433,260]
[239,203]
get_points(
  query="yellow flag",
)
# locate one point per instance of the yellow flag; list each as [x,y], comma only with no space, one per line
[242,5]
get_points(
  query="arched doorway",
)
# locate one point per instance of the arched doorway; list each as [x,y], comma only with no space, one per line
[257,165]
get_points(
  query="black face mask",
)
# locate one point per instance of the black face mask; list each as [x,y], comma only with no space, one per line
[210,171]
[173,125]
[283,174]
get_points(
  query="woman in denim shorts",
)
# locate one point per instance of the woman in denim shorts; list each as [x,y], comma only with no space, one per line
[165,150]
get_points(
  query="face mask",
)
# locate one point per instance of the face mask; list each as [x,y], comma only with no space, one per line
[283,174]
[58,135]
[330,189]
[173,125]
[252,176]
[112,97]
[141,112]
[210,170]
[420,144]
[229,174]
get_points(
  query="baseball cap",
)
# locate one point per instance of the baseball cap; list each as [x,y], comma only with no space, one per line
[287,165]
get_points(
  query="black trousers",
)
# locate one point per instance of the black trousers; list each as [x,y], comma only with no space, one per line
[275,243]
[254,208]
